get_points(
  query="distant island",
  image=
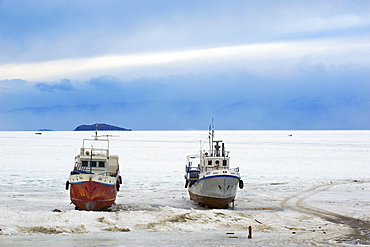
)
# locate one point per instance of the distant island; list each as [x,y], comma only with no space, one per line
[101,127]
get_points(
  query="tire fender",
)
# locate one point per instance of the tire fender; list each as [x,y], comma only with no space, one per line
[117,185]
[241,184]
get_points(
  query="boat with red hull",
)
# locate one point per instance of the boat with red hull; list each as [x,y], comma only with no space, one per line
[211,182]
[95,179]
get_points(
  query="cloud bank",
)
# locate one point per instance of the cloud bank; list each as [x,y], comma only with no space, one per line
[268,59]
[236,101]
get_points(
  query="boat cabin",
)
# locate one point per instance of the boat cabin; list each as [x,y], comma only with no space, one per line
[95,158]
[217,159]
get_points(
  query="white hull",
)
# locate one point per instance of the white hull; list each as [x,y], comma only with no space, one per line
[214,191]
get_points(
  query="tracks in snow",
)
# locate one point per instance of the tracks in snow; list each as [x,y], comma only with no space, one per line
[360,228]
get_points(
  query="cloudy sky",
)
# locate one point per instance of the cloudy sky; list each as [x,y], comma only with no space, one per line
[145,60]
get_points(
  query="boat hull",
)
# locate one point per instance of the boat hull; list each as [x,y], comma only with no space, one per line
[214,191]
[92,196]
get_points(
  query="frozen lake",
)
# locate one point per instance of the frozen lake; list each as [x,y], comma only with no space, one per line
[301,188]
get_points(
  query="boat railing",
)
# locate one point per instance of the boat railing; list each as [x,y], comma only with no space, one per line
[79,168]
[192,172]
[207,169]
[235,169]
[110,174]
[94,151]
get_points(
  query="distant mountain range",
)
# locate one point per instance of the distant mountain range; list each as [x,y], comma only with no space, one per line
[323,113]
[304,113]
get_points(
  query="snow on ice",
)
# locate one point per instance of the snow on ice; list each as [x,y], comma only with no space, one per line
[301,188]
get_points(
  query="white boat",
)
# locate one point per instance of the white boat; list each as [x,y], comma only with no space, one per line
[209,179]
[95,178]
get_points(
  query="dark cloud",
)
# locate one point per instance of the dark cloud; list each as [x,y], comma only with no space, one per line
[12,85]
[105,82]
[63,85]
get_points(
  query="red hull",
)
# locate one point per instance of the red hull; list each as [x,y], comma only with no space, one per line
[212,202]
[92,196]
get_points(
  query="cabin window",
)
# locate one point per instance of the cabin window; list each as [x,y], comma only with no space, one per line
[93,164]
[101,164]
[84,163]
[209,162]
[217,162]
[224,162]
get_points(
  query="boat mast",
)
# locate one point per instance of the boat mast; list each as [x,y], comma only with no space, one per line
[91,154]
[200,147]
[96,131]
[96,138]
[211,128]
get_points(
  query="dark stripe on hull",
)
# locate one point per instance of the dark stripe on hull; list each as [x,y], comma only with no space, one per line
[211,202]
[92,196]
[219,176]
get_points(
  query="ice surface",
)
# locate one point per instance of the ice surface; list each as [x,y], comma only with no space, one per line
[301,188]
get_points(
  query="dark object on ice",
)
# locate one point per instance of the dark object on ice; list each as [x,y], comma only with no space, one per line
[249,232]
[101,127]
[57,210]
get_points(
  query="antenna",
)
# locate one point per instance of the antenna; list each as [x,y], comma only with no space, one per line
[210,139]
